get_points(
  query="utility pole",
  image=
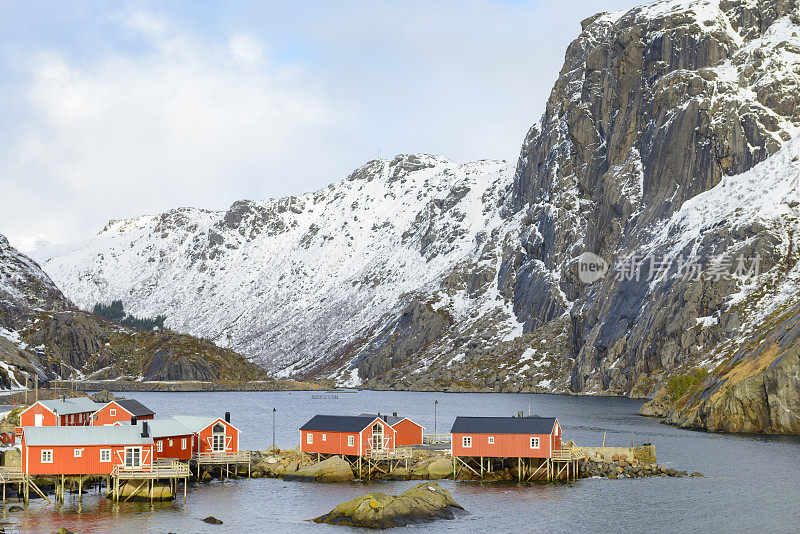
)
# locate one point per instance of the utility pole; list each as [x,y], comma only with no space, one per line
[435,404]
[26,388]
[273,427]
[36,386]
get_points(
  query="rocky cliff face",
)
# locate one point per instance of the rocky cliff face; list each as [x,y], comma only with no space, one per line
[669,148]
[42,333]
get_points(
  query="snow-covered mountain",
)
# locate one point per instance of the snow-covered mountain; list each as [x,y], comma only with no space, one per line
[290,282]
[670,135]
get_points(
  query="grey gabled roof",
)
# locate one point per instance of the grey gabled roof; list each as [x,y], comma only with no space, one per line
[503,425]
[339,423]
[194,423]
[134,407]
[71,405]
[166,427]
[391,419]
[84,435]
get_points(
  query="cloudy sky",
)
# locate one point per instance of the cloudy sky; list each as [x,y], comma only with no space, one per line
[116,111]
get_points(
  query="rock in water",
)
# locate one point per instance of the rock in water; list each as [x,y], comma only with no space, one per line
[335,469]
[423,502]
[211,520]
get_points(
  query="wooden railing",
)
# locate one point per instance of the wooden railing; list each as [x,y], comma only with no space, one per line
[222,457]
[10,474]
[159,469]
[431,439]
[568,453]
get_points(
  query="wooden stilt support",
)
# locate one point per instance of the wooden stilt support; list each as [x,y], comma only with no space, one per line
[519,468]
[80,488]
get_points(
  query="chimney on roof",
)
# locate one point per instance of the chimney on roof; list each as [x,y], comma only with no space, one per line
[394,414]
[227,417]
[133,420]
[145,430]
[63,398]
[520,414]
[385,419]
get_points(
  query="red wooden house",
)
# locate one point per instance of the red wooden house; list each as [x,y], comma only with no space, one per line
[211,435]
[65,450]
[121,411]
[352,435]
[171,439]
[408,432]
[59,412]
[505,437]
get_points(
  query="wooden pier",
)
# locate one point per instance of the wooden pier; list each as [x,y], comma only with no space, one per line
[562,465]
[171,470]
[226,459]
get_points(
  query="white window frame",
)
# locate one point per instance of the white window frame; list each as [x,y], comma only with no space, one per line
[183,443]
[491,440]
[77,453]
[466,442]
[160,445]
[105,455]
[309,438]
[112,412]
[46,456]
[170,443]
[324,437]
[72,418]
[535,442]
[351,441]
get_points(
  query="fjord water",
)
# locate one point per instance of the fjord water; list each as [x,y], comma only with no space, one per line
[751,482]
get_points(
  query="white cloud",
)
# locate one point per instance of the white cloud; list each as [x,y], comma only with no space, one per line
[184,122]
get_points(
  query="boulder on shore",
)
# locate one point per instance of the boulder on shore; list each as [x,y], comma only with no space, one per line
[423,502]
[440,468]
[128,491]
[334,469]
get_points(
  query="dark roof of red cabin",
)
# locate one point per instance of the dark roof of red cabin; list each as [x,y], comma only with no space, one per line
[134,407]
[391,419]
[503,425]
[338,423]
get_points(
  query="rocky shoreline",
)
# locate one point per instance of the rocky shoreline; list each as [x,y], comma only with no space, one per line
[293,464]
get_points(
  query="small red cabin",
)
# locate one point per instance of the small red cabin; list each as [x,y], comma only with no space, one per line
[352,435]
[84,450]
[121,410]
[59,412]
[408,432]
[170,439]
[505,437]
[211,436]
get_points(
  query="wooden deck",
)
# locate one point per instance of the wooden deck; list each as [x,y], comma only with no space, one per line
[161,469]
[238,457]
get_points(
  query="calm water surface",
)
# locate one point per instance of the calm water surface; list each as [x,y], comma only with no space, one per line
[751,484]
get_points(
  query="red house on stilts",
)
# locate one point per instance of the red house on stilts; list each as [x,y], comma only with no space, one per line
[347,435]
[408,432]
[534,442]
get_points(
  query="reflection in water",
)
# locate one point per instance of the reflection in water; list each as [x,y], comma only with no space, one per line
[750,481]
